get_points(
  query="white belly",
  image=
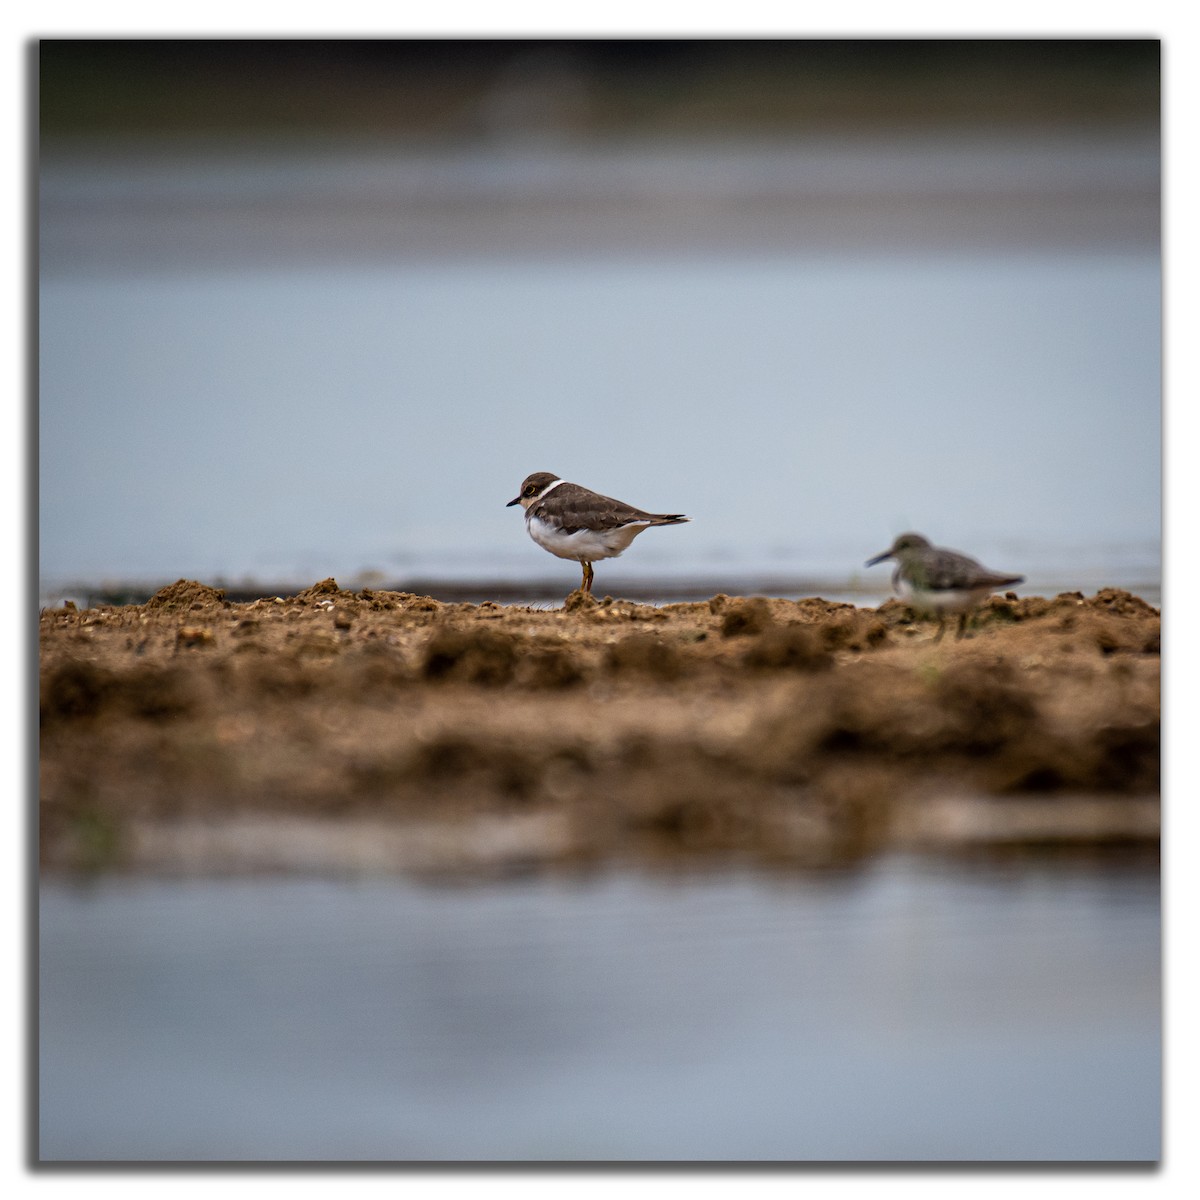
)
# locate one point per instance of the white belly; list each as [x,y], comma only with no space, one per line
[958,600]
[584,545]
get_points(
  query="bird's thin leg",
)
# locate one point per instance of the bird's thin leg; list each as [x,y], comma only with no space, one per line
[962,626]
[941,629]
[588,575]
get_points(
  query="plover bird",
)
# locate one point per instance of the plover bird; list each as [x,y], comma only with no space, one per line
[572,522]
[937,580]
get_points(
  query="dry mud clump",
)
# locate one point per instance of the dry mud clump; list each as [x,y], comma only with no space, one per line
[337,729]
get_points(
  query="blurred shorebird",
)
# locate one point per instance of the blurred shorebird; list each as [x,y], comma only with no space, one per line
[938,580]
[572,522]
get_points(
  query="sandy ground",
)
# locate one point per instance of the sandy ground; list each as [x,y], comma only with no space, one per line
[382,731]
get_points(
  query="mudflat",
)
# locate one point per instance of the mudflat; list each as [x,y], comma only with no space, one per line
[360,731]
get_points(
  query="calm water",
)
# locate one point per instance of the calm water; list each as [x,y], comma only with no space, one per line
[288,364]
[905,1011]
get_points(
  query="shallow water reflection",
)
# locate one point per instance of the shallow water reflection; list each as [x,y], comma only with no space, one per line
[907,1011]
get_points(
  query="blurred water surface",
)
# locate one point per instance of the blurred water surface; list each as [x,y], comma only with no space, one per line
[287,362]
[904,1011]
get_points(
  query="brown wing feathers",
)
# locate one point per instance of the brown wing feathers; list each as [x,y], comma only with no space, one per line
[947,570]
[572,508]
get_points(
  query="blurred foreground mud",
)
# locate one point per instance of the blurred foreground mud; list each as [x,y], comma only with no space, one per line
[383,731]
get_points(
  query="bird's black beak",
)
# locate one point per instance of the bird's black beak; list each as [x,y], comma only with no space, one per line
[514,500]
[878,558]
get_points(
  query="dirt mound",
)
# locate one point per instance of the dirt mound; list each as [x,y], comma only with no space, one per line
[186,595]
[644,654]
[789,647]
[479,656]
[804,731]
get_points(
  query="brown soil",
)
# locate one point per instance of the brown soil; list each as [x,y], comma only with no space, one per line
[384,730]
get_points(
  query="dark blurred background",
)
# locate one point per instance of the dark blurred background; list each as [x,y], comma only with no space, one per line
[471,88]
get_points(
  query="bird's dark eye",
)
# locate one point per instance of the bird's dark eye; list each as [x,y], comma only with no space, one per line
[530,490]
